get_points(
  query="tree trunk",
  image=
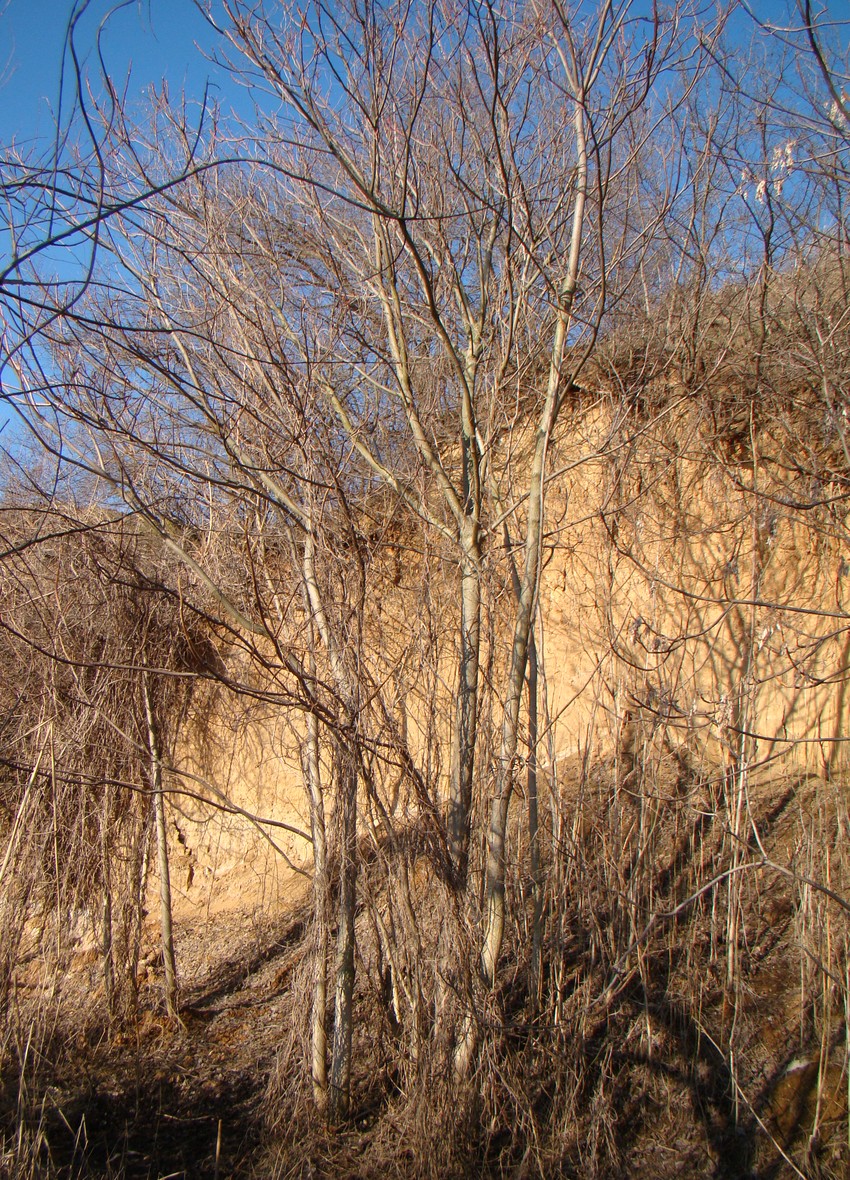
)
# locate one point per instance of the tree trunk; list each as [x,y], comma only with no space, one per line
[319,1036]
[343,1003]
[466,713]
[534,826]
[168,961]
[494,886]
[345,810]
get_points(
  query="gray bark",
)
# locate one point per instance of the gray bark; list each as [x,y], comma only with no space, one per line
[534,826]
[346,776]
[494,887]
[167,932]
[466,711]
[340,1082]
[319,1037]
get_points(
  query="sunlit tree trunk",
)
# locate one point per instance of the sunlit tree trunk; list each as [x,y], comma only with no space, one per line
[165,909]
[466,711]
[318,1036]
[534,848]
[346,803]
[494,886]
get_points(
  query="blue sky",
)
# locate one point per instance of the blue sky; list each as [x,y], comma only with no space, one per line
[144,40]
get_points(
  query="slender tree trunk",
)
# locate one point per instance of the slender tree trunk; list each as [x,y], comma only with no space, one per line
[346,775]
[168,960]
[319,1036]
[494,886]
[466,713]
[343,1003]
[534,826]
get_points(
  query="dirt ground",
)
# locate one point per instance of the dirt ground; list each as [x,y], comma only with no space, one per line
[153,1098]
[165,1097]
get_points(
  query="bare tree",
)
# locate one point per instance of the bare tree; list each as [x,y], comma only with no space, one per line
[389,297]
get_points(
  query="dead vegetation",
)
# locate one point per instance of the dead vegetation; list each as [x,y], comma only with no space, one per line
[661,1038]
[685,1007]
[454,508]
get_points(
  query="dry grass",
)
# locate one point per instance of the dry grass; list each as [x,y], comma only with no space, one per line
[659,1048]
[692,1016]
